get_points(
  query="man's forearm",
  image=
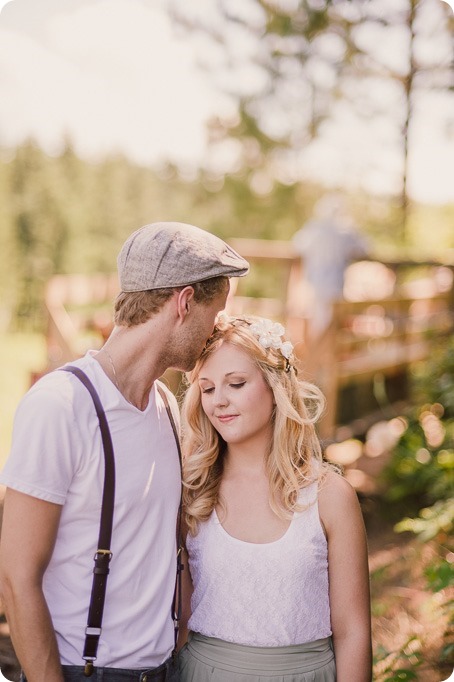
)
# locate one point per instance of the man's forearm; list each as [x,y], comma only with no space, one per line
[32,634]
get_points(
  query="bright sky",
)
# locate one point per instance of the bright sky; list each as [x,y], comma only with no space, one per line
[109,72]
[116,75]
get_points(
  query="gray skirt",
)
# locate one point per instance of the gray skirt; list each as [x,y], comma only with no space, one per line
[206,659]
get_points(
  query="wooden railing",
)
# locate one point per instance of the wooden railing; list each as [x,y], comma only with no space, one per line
[361,362]
[364,360]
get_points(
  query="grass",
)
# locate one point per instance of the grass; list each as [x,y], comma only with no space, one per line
[21,354]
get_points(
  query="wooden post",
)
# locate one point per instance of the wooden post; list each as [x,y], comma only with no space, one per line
[326,376]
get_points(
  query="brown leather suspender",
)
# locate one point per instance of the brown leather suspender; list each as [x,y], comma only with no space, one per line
[103,554]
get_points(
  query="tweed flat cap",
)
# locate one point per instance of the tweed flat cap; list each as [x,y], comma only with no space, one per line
[170,254]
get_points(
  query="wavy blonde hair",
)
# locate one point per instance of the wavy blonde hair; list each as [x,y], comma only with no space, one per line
[295,446]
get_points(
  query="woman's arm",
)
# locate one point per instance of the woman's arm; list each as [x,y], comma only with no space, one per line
[342,519]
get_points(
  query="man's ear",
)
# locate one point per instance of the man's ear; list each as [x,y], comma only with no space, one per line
[185,299]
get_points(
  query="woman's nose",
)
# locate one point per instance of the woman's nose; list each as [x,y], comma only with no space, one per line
[220,398]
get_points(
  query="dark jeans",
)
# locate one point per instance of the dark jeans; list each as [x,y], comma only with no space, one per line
[167,672]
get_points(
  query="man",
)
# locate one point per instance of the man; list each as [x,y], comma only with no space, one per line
[174,281]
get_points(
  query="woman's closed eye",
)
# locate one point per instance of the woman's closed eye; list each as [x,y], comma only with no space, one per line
[210,389]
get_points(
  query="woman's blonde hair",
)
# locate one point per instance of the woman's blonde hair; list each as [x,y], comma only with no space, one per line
[294,458]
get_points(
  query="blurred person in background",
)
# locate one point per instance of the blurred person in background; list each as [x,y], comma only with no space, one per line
[174,280]
[275,537]
[327,244]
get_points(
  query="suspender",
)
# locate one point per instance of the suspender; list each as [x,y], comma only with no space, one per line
[103,554]
[177,596]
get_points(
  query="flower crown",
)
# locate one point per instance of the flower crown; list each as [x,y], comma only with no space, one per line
[268,333]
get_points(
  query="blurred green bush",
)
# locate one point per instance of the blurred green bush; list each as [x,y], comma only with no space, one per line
[420,478]
[420,474]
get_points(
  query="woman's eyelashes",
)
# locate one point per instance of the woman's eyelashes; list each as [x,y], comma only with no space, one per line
[210,389]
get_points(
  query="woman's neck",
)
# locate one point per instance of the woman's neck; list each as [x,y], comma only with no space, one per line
[244,459]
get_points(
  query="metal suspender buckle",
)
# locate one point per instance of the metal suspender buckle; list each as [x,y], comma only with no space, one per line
[93,631]
[102,559]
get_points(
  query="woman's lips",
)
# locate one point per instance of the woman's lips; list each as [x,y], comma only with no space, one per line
[225,418]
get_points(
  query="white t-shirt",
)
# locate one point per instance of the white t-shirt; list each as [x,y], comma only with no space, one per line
[57,456]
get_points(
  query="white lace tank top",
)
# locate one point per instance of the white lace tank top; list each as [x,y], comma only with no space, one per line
[272,594]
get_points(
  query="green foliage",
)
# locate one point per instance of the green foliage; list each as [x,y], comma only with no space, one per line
[431,521]
[447,653]
[412,612]
[440,575]
[421,473]
[61,214]
[391,666]
[332,51]
[421,470]
[434,381]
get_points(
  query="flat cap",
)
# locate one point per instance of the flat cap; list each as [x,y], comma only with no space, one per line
[171,254]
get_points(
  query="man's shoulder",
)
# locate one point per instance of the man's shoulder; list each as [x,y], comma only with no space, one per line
[49,386]
[56,389]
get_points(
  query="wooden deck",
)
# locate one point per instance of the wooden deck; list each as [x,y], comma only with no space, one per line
[364,358]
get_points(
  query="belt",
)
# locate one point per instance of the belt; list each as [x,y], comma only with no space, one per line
[119,674]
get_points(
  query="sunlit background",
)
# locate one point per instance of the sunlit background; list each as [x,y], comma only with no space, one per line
[143,78]
[241,116]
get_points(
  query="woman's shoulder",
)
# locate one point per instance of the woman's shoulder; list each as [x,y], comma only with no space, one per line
[336,483]
[336,498]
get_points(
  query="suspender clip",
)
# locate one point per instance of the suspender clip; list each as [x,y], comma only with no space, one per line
[88,668]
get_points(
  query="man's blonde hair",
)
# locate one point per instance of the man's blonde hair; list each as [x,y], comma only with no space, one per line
[133,308]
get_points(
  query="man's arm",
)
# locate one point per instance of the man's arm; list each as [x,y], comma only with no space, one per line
[29,530]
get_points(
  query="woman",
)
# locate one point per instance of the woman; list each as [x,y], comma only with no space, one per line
[275,537]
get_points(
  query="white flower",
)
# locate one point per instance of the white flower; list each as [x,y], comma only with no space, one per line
[286,349]
[269,335]
[223,318]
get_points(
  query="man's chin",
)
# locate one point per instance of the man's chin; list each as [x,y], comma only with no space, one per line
[187,366]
